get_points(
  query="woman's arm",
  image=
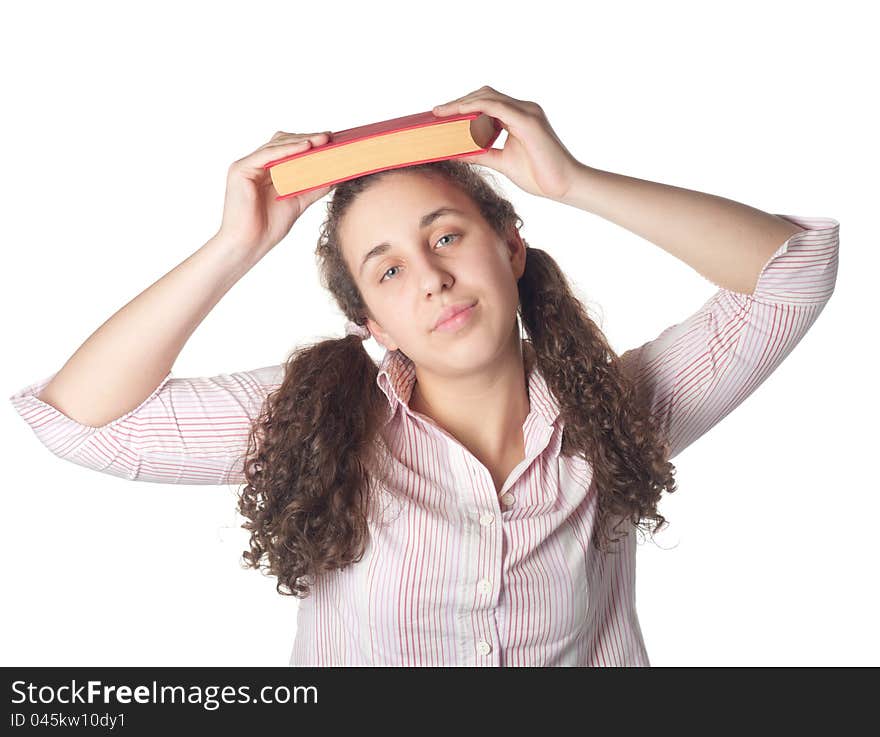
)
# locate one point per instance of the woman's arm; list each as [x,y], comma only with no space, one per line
[725,241]
[694,373]
[189,430]
[124,360]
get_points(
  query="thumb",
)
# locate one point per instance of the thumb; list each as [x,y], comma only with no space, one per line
[309,198]
[491,158]
[302,201]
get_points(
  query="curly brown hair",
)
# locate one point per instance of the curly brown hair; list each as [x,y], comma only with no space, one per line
[316,452]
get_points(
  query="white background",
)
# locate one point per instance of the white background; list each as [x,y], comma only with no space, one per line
[120,124]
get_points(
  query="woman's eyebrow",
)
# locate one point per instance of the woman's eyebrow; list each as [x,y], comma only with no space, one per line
[425,221]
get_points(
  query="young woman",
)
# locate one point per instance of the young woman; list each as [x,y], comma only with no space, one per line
[472,500]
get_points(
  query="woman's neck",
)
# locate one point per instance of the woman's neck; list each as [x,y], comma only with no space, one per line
[485,412]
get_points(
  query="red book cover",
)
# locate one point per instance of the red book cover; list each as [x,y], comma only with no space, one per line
[384,127]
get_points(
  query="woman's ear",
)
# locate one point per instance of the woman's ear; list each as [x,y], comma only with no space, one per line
[517,251]
[382,338]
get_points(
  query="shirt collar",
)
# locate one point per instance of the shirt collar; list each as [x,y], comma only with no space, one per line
[397,376]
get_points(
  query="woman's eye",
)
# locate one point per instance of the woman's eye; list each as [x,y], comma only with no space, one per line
[447,235]
[386,273]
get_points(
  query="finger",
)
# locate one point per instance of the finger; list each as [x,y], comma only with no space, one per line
[446,107]
[493,158]
[271,152]
[309,198]
[282,138]
[258,160]
[485,92]
[505,113]
[463,97]
[302,201]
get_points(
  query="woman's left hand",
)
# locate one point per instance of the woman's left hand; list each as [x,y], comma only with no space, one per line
[533,157]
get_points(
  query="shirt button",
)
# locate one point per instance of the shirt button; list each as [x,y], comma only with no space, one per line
[486,519]
[484,586]
[508,499]
[483,647]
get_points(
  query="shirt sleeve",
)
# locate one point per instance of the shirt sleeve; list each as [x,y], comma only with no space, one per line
[697,371]
[187,431]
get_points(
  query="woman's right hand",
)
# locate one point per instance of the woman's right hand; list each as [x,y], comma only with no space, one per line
[253,220]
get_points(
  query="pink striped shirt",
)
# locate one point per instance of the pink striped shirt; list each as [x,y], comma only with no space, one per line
[455,573]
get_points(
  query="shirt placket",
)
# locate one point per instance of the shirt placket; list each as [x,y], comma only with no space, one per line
[484,536]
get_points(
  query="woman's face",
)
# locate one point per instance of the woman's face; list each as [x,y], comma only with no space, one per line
[409,271]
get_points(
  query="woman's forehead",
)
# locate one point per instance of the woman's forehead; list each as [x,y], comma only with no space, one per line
[381,211]
[400,194]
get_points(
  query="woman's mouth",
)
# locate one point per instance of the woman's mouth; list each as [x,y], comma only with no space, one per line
[455,322]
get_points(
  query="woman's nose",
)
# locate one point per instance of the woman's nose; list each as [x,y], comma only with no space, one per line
[434,280]
[433,276]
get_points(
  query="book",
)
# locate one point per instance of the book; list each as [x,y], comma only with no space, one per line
[387,144]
